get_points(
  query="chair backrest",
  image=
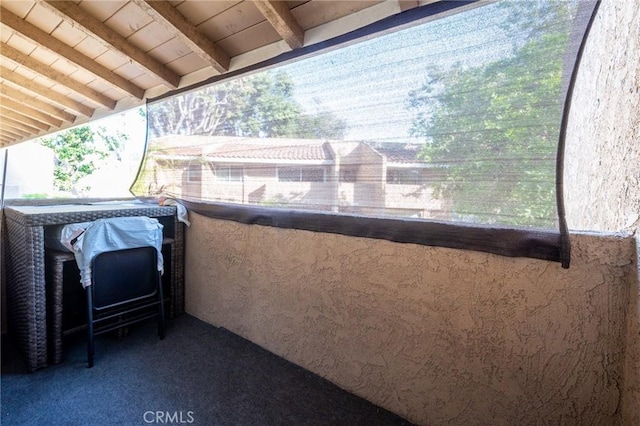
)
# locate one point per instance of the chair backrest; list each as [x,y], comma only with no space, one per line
[124,276]
[116,233]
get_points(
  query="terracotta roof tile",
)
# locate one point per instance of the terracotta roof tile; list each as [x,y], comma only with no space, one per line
[399,153]
[306,150]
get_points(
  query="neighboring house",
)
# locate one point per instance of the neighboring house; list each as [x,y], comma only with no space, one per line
[409,182]
[339,176]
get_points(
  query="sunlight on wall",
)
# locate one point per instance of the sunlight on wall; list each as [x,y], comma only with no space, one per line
[602,167]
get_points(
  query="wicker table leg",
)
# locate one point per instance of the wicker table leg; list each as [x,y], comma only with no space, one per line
[55,285]
[26,294]
[177,271]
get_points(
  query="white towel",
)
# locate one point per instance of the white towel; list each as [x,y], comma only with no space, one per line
[183,215]
[116,234]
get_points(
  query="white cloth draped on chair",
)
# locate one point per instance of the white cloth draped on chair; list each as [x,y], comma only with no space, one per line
[116,234]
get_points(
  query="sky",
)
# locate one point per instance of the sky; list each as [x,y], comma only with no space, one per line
[367,84]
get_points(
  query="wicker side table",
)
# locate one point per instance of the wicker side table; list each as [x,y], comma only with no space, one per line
[25,265]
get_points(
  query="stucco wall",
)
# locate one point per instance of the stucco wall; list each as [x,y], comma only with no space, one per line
[631,389]
[446,336]
[436,335]
[602,167]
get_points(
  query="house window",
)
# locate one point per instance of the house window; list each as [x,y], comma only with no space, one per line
[229,173]
[194,173]
[404,176]
[348,174]
[301,174]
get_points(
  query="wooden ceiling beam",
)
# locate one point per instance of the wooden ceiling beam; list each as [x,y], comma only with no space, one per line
[407,4]
[23,118]
[15,132]
[68,10]
[56,76]
[16,129]
[69,53]
[14,135]
[45,92]
[6,141]
[28,100]
[168,16]
[17,125]
[29,112]
[281,19]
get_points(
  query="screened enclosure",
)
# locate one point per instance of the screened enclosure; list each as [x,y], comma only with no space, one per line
[443,125]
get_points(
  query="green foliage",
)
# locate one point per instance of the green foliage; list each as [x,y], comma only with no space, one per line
[261,105]
[323,125]
[264,107]
[534,17]
[111,142]
[494,129]
[78,152]
[35,196]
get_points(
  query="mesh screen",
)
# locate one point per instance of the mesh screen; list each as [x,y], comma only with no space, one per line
[455,119]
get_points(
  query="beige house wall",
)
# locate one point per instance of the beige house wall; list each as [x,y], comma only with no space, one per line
[368,192]
[417,197]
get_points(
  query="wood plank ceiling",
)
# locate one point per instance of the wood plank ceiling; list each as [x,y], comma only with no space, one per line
[64,63]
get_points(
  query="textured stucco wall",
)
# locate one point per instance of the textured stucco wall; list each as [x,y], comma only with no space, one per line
[631,389]
[602,167]
[436,335]
[444,336]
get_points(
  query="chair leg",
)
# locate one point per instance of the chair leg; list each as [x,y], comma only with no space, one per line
[161,319]
[90,343]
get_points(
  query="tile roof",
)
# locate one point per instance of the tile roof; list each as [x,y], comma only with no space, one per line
[179,151]
[399,153]
[237,148]
[220,148]
[308,150]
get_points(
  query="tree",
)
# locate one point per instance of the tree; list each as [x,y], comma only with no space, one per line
[260,105]
[493,130]
[323,125]
[77,152]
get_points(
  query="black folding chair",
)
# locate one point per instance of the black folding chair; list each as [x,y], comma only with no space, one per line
[126,288]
